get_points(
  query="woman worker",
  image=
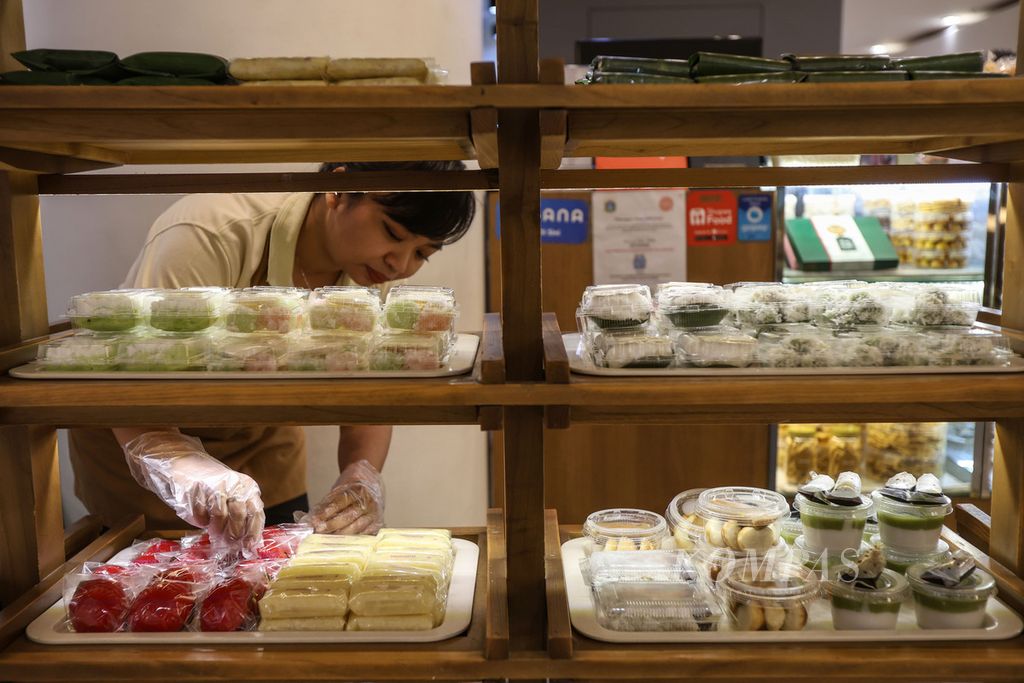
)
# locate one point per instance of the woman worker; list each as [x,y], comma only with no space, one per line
[229,480]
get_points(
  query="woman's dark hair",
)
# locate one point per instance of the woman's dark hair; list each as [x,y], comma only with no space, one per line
[441,216]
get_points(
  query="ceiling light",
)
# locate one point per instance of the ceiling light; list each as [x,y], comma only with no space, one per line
[887,48]
[963,19]
[879,49]
[733,36]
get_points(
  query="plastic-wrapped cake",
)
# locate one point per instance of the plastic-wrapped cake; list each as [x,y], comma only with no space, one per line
[112,311]
[192,309]
[264,309]
[420,309]
[349,309]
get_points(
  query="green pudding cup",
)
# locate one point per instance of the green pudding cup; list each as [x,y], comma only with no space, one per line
[907,527]
[833,527]
[856,608]
[939,607]
[899,561]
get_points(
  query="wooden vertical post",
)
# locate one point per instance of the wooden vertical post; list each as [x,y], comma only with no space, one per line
[12,33]
[519,186]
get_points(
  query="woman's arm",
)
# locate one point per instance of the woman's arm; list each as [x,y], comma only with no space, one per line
[363,442]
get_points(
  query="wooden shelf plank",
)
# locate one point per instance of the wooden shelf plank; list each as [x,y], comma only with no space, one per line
[491,358]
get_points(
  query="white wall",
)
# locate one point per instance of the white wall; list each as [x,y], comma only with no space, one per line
[435,475]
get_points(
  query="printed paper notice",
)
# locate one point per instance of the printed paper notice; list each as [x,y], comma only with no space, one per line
[639,236]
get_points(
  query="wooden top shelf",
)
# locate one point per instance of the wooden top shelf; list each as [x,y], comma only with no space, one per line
[237,124]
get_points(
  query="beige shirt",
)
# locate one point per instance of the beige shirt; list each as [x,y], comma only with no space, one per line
[230,240]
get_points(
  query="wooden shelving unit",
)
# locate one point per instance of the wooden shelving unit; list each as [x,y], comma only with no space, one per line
[520,120]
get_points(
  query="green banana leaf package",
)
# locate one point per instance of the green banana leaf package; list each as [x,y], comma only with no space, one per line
[968,62]
[177,65]
[48,78]
[635,79]
[640,65]
[704,64]
[94,63]
[855,76]
[838,62]
[746,79]
[949,75]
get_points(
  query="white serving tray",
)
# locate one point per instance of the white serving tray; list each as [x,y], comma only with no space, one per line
[1000,624]
[51,628]
[461,362]
[585,366]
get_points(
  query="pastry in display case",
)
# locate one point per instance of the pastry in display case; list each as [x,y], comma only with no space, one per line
[824,448]
[914,447]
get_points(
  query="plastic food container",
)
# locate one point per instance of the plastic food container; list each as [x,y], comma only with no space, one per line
[769,303]
[767,597]
[849,308]
[833,527]
[170,353]
[939,258]
[821,561]
[686,526]
[342,352]
[940,607]
[906,527]
[966,346]
[900,561]
[685,305]
[711,560]
[856,608]
[934,305]
[192,309]
[810,350]
[84,352]
[940,240]
[627,348]
[246,352]
[396,350]
[792,528]
[420,309]
[118,310]
[348,309]
[716,347]
[624,529]
[656,606]
[637,566]
[742,518]
[264,309]
[616,306]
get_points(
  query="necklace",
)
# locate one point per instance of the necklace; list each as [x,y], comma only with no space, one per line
[305,280]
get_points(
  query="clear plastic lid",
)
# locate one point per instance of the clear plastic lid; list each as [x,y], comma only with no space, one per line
[966,346]
[420,309]
[80,352]
[396,350]
[264,309]
[611,306]
[820,560]
[191,309]
[658,606]
[625,529]
[890,588]
[640,566]
[716,347]
[117,310]
[686,525]
[349,308]
[742,518]
[769,303]
[683,305]
[894,348]
[900,560]
[806,506]
[768,596]
[626,348]
[342,352]
[849,308]
[248,352]
[164,353]
[978,586]
[810,350]
[884,504]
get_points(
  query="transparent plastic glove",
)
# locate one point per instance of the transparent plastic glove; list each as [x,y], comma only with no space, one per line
[355,505]
[200,489]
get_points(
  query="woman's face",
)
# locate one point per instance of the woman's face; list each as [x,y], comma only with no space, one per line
[367,245]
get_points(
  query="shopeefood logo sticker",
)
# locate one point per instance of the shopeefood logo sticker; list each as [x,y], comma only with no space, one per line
[710,217]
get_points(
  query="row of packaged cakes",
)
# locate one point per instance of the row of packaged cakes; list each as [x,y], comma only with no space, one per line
[298,581]
[839,305]
[790,346]
[279,310]
[383,350]
[733,561]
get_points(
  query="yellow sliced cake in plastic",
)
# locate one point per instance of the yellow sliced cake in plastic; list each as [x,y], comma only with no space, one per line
[411,622]
[302,603]
[307,624]
[322,541]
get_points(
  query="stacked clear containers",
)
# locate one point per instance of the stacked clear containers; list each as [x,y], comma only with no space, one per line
[939,239]
[767,595]
[830,527]
[624,529]
[262,325]
[617,331]
[342,324]
[418,329]
[650,591]
[739,523]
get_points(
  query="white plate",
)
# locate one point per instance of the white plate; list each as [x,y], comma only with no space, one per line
[585,366]
[1001,622]
[51,628]
[461,362]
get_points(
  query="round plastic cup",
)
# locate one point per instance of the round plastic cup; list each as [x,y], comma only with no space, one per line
[908,527]
[792,528]
[856,608]
[832,527]
[940,607]
[624,529]
[742,518]
[900,561]
[767,597]
[686,526]
[821,561]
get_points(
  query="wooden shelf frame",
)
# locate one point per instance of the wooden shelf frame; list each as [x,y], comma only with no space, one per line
[591,659]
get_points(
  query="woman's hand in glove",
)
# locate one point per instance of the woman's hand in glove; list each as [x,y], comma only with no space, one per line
[355,505]
[199,488]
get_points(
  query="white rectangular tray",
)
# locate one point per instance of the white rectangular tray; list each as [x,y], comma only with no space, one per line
[51,628]
[585,366]
[461,362]
[1001,622]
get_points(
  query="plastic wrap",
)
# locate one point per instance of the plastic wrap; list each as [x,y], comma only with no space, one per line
[264,309]
[421,309]
[167,602]
[338,352]
[87,353]
[172,353]
[97,598]
[349,309]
